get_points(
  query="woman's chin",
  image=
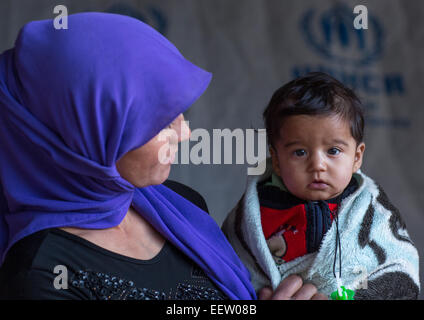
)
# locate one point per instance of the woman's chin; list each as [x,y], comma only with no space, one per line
[158,176]
[162,175]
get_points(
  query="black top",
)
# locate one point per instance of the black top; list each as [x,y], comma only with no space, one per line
[87,271]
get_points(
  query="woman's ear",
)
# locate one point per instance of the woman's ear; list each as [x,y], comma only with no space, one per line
[359,155]
[274,158]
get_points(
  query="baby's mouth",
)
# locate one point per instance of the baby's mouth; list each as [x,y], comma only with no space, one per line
[318,184]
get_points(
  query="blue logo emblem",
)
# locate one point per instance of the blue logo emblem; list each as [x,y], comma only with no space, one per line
[331,34]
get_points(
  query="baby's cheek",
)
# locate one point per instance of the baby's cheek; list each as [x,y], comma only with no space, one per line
[293,186]
[286,177]
[344,179]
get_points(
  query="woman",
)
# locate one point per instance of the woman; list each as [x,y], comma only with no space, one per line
[84,117]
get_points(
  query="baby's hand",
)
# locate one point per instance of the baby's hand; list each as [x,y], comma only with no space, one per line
[292,288]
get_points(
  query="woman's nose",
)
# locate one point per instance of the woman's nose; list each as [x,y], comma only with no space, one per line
[185,131]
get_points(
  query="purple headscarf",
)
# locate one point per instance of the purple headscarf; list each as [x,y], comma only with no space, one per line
[72,102]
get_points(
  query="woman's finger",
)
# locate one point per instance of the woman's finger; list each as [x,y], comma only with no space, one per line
[306,292]
[287,288]
[265,293]
[319,296]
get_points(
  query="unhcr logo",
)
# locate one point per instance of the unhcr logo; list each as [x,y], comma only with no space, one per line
[332,35]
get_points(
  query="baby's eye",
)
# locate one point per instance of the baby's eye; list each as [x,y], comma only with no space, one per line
[299,152]
[334,151]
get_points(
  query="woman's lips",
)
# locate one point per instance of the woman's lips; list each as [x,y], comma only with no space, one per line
[318,185]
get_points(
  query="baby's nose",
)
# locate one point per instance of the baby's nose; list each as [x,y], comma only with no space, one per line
[317,163]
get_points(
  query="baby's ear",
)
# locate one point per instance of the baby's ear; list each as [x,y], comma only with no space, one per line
[359,155]
[274,158]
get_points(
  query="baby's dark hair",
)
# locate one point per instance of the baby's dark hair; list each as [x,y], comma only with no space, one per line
[316,93]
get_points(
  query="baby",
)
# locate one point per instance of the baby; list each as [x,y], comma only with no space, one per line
[313,212]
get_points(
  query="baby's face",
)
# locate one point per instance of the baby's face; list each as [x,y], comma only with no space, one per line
[316,156]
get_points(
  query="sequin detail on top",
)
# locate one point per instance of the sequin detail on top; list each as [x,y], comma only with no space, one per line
[193,292]
[106,287]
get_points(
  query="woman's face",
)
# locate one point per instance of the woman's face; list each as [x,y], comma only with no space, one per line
[150,164]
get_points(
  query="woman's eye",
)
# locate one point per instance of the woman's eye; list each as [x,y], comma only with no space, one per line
[300,153]
[334,151]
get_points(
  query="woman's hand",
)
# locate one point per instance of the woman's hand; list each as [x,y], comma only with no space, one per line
[292,288]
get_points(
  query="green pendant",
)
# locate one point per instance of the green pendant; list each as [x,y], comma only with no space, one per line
[346,294]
